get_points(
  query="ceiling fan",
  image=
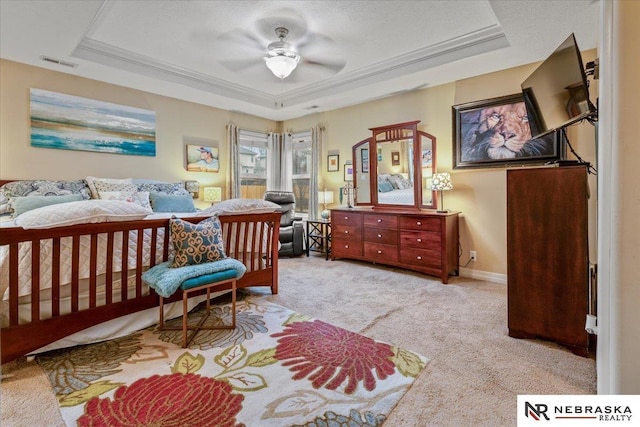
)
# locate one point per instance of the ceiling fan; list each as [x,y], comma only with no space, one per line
[281,58]
[312,56]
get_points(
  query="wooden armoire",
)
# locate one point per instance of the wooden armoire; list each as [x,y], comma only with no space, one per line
[548,254]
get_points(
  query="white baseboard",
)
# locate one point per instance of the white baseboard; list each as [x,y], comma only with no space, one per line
[484,275]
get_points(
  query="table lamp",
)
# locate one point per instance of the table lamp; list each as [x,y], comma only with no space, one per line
[212,194]
[441,182]
[192,187]
[325,197]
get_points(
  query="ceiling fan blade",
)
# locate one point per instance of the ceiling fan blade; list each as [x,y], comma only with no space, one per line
[243,39]
[314,42]
[237,65]
[335,65]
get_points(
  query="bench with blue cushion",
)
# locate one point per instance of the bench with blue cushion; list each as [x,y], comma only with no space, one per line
[166,280]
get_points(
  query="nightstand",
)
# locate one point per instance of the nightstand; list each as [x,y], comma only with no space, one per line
[318,236]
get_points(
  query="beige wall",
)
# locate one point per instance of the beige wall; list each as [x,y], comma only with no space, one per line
[480,195]
[175,120]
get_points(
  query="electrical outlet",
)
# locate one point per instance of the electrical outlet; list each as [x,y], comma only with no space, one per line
[473,255]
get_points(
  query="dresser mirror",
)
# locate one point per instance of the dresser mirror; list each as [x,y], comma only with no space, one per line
[393,168]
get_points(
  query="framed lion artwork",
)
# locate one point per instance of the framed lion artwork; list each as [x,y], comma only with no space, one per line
[496,133]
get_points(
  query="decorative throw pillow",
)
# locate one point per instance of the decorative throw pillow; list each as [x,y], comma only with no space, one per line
[396,181]
[175,189]
[139,197]
[92,180]
[196,243]
[171,203]
[384,186]
[102,186]
[45,188]
[24,204]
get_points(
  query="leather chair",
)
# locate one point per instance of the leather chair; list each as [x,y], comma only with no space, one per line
[291,229]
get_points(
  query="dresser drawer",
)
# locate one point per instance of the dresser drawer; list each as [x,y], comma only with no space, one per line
[382,221]
[341,230]
[378,252]
[346,218]
[419,223]
[346,248]
[420,239]
[381,235]
[420,257]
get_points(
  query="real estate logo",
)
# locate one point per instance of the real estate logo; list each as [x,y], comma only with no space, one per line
[578,410]
[536,411]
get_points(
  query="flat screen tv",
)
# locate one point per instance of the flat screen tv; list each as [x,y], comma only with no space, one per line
[556,94]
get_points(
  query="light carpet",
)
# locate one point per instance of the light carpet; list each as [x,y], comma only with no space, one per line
[476,370]
[277,368]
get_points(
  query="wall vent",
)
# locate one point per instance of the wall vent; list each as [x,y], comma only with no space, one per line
[58,61]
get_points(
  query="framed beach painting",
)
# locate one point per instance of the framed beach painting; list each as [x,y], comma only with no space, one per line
[496,133]
[70,122]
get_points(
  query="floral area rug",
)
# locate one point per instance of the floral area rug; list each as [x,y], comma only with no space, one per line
[277,368]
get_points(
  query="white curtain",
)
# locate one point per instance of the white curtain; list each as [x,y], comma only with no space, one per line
[274,160]
[317,135]
[286,163]
[233,175]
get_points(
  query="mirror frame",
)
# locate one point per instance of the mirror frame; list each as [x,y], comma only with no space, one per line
[395,132]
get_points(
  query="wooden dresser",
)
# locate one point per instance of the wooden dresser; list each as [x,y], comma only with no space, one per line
[424,241]
[548,255]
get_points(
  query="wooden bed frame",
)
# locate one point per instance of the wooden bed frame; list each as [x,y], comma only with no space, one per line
[20,338]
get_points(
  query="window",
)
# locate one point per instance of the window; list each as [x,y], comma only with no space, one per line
[254,159]
[302,167]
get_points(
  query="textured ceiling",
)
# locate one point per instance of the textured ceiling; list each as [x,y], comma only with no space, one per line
[211,52]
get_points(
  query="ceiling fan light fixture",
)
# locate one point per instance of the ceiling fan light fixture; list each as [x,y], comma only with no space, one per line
[281,58]
[281,66]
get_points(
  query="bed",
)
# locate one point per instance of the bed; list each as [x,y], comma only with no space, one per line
[395,189]
[80,283]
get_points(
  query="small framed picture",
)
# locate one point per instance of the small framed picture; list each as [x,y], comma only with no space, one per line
[364,160]
[333,163]
[395,158]
[348,173]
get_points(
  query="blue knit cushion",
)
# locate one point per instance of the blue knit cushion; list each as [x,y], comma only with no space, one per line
[196,243]
[208,278]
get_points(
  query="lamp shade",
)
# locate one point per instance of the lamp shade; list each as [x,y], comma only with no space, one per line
[441,182]
[212,194]
[325,197]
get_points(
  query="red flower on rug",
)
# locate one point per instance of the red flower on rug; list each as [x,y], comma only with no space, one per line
[167,400]
[329,356]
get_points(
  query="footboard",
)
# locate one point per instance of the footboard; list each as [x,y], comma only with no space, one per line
[104,263]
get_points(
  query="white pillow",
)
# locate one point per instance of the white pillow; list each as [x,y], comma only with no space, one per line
[139,197]
[82,212]
[240,206]
[91,180]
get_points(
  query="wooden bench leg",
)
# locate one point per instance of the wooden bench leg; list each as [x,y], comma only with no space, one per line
[185,297]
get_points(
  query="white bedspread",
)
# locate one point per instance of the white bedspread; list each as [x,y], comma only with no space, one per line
[397,197]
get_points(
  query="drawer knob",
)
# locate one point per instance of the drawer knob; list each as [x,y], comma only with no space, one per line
[419,223]
[346,231]
[418,257]
[346,246]
[346,217]
[379,252]
[419,240]
[380,236]
[379,220]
